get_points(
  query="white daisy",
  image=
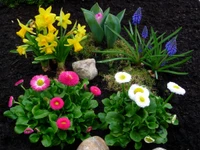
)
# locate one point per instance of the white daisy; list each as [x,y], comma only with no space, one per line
[135,88]
[175,88]
[142,100]
[122,77]
[149,139]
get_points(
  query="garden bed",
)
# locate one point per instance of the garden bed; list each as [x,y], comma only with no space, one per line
[163,16]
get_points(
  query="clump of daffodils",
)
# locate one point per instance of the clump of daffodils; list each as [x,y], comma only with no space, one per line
[57,111]
[137,114]
[48,36]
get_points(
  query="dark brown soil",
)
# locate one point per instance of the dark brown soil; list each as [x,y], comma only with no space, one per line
[162,15]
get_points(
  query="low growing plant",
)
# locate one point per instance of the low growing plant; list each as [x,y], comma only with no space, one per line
[48,43]
[137,114]
[156,52]
[55,111]
[99,21]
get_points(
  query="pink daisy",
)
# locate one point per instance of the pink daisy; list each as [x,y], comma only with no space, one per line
[10,101]
[69,78]
[28,130]
[40,82]
[95,90]
[56,103]
[63,123]
[19,82]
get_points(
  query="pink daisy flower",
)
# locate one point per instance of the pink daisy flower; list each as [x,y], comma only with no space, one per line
[10,101]
[56,103]
[95,90]
[28,130]
[19,82]
[40,82]
[89,129]
[69,78]
[63,123]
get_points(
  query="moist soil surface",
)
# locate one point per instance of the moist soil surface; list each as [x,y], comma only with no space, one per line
[163,16]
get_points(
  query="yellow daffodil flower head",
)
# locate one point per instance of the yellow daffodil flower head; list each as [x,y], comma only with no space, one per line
[63,19]
[45,18]
[41,39]
[21,33]
[50,48]
[81,30]
[76,43]
[22,49]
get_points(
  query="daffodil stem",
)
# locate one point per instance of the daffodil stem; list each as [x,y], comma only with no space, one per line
[169,97]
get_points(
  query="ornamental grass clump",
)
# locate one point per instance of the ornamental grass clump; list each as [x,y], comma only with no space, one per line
[55,111]
[157,52]
[40,36]
[137,114]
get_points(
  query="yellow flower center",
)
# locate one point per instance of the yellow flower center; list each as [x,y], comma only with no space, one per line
[122,77]
[138,90]
[63,122]
[40,82]
[57,103]
[176,86]
[142,99]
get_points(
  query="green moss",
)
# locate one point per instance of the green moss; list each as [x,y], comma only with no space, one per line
[139,76]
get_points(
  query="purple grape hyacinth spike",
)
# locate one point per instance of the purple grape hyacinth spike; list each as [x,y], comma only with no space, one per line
[171,47]
[145,32]
[137,16]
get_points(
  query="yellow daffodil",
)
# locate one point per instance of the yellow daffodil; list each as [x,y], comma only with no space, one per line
[22,49]
[45,19]
[21,33]
[63,19]
[76,43]
[49,49]
[80,30]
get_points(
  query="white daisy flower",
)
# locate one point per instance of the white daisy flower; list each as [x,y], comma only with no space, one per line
[149,139]
[135,88]
[122,77]
[175,88]
[142,100]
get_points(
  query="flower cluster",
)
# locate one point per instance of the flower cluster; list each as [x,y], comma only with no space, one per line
[55,110]
[47,42]
[155,51]
[137,114]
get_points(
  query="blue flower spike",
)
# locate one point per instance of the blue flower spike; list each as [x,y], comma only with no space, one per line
[137,16]
[145,32]
[171,47]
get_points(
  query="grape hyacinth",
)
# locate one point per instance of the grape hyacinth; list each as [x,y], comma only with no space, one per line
[145,32]
[171,47]
[137,16]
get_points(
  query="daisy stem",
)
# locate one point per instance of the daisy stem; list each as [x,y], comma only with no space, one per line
[23,87]
[169,97]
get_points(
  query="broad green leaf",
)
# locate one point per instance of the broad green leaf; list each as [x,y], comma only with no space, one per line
[46,140]
[9,114]
[18,110]
[93,104]
[44,57]
[120,15]
[96,8]
[22,120]
[138,145]
[135,136]
[34,137]
[89,114]
[62,134]
[113,117]
[20,128]
[110,140]
[39,114]
[77,112]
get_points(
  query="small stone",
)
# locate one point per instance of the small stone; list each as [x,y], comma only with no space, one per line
[85,68]
[93,143]
[159,148]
